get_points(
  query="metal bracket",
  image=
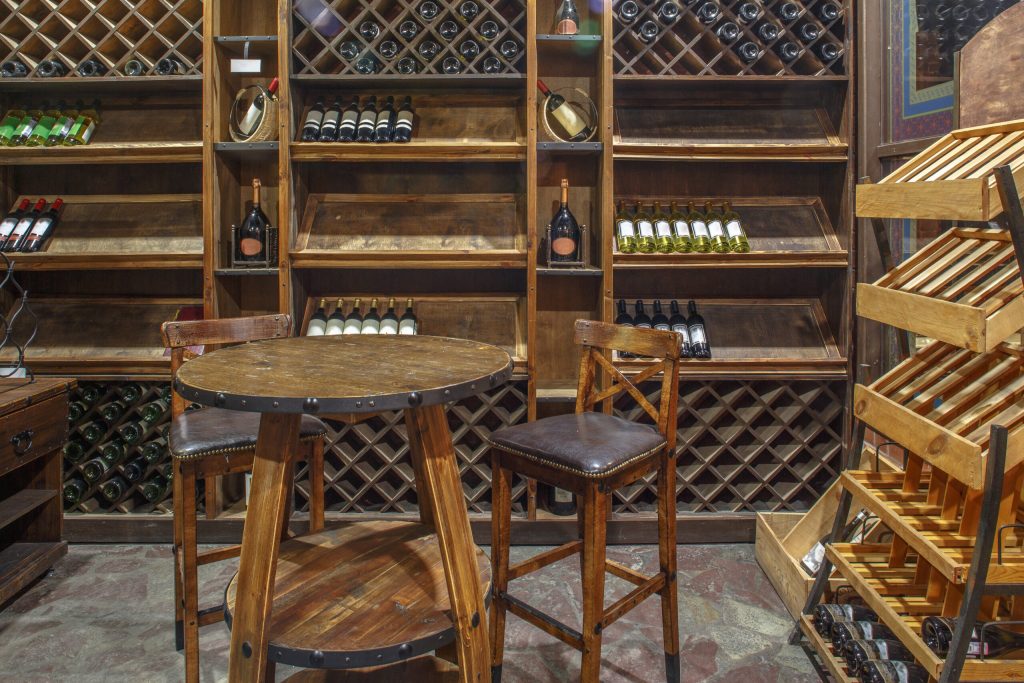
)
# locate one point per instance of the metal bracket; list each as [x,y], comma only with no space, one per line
[1013,214]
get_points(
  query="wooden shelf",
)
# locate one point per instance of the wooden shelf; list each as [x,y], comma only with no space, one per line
[494,258]
[415,151]
[941,402]
[588,271]
[104,85]
[954,179]
[569,147]
[964,288]
[753,259]
[556,392]
[105,153]
[21,563]
[23,502]
[246,272]
[654,151]
[500,82]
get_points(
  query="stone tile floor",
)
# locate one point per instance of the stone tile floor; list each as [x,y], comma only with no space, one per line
[104,615]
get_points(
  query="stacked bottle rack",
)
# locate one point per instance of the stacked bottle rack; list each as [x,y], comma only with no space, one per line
[956,407]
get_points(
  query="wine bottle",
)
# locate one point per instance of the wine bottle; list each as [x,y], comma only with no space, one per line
[73,492]
[62,127]
[574,127]
[112,412]
[448,30]
[663,237]
[74,450]
[85,126]
[561,502]
[816,555]
[51,68]
[89,393]
[349,120]
[859,652]
[76,411]
[808,32]
[767,32]
[367,64]
[428,10]
[403,122]
[844,632]
[153,411]
[828,52]
[252,234]
[567,19]
[134,67]
[728,32]
[318,322]
[92,68]
[787,50]
[451,66]
[25,127]
[135,470]
[509,49]
[371,321]
[153,450]
[489,30]
[677,323]
[314,119]
[647,31]
[699,227]
[682,240]
[408,29]
[787,11]
[329,125]
[828,11]
[734,231]
[44,125]
[469,50]
[369,30]
[659,320]
[625,235]
[408,324]
[155,489]
[698,333]
[94,469]
[9,124]
[629,10]
[408,65]
[468,10]
[640,318]
[26,221]
[367,121]
[893,672]
[389,323]
[170,66]
[827,615]
[716,229]
[644,229]
[354,320]
[114,488]
[428,49]
[624,318]
[388,49]
[709,12]
[13,68]
[336,323]
[130,393]
[748,12]
[385,124]
[350,49]
[668,12]
[565,231]
[11,221]
[42,228]
[996,642]
[131,432]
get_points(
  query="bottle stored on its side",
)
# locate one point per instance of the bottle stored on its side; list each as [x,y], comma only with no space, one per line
[767,32]
[74,450]
[62,127]
[428,10]
[728,32]
[628,11]
[135,470]
[468,10]
[716,229]
[663,237]
[709,12]
[647,31]
[131,432]
[354,319]
[134,67]
[409,65]
[625,235]
[130,393]
[252,234]
[748,12]
[349,121]
[408,324]
[816,555]
[371,321]
[389,322]
[367,121]
[448,30]
[828,11]
[574,127]
[170,66]
[677,323]
[787,11]
[668,12]
[385,124]
[734,231]
[156,488]
[11,220]
[153,450]
[682,240]
[561,502]
[314,120]
[699,344]
[408,29]
[94,469]
[567,18]
[787,50]
[510,50]
[403,122]
[827,615]
[859,652]
[318,322]
[22,228]
[565,231]
[644,229]
[153,411]
[12,118]
[329,125]
[748,51]
[828,52]
[25,126]
[43,228]
[388,49]
[51,68]
[44,125]
[844,632]
[336,323]
[114,489]
[893,672]
[93,431]
[13,68]
[73,492]
[699,228]
[808,32]
[626,320]
[89,393]
[85,126]
[997,641]
[92,68]
[112,412]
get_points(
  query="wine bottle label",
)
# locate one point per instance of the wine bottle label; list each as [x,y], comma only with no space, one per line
[569,119]
[715,228]
[61,129]
[734,229]
[316,328]
[901,670]
[7,227]
[681,228]
[812,560]
[645,228]
[250,246]
[389,326]
[44,126]
[662,326]
[643,326]
[626,228]
[404,120]
[334,326]
[663,229]
[383,121]
[352,327]
[23,225]
[348,121]
[700,229]
[252,116]
[314,118]
[40,227]
[682,329]
[975,649]
[26,127]
[563,246]
[562,496]
[407,327]
[331,119]
[697,335]
[367,123]
[370,326]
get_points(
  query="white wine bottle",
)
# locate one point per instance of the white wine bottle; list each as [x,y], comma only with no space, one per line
[682,240]
[574,127]
[734,231]
[336,323]
[699,227]
[371,321]
[318,323]
[644,230]
[354,320]
[716,228]
[389,323]
[408,323]
[663,237]
[625,235]
[85,125]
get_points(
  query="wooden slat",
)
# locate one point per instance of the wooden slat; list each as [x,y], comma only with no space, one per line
[543,559]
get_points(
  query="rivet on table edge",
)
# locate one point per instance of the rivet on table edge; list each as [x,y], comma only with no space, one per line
[316,658]
[415,398]
[372,403]
[243,403]
[311,405]
[405,650]
[276,404]
[359,404]
[220,399]
[447,392]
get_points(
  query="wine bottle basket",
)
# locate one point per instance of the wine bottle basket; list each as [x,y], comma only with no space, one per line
[18,325]
[581,103]
[584,250]
[270,251]
[266,128]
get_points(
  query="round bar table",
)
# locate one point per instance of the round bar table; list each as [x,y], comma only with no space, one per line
[283,378]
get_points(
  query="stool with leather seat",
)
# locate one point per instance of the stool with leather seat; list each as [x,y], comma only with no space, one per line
[210,443]
[592,454]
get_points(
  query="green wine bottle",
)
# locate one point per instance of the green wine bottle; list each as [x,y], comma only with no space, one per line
[699,227]
[663,237]
[734,231]
[9,124]
[625,235]
[44,125]
[682,240]
[73,492]
[644,229]
[716,228]
[85,126]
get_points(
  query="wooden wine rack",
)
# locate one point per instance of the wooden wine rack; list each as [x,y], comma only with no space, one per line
[689,47]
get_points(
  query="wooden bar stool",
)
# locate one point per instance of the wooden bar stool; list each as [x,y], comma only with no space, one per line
[210,443]
[592,454]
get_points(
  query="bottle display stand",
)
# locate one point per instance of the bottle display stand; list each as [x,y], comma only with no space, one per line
[958,413]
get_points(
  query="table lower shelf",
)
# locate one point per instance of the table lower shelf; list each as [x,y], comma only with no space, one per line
[363,594]
[21,563]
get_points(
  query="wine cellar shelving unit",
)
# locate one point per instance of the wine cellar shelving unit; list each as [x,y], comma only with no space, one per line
[455,220]
[955,408]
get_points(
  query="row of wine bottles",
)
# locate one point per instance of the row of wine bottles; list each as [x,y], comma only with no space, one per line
[357,323]
[27,230]
[875,654]
[49,126]
[366,62]
[352,124]
[678,231]
[692,327]
[91,68]
[154,489]
[463,11]
[88,394]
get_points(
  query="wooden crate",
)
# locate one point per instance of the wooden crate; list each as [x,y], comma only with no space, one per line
[964,288]
[953,179]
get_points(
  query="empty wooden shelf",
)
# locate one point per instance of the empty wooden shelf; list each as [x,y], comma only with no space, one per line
[415,151]
[105,153]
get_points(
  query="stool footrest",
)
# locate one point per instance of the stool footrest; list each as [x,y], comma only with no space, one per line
[211,615]
[625,573]
[544,559]
[564,633]
[218,554]
[634,598]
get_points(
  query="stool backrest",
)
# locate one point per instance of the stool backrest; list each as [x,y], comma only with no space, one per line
[181,336]
[660,345]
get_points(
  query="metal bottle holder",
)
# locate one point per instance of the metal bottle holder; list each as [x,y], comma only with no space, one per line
[583,251]
[18,325]
[578,100]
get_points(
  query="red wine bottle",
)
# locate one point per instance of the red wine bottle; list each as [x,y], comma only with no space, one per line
[11,220]
[403,122]
[893,672]
[349,120]
[252,235]
[996,642]
[259,105]
[42,228]
[565,231]
[698,333]
[677,323]
[826,616]
[860,652]
[575,128]
[845,632]
[21,230]
[626,320]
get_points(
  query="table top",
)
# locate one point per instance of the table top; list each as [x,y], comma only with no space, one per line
[343,374]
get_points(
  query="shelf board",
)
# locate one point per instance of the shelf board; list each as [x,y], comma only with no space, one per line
[105,153]
[415,151]
[260,47]
[23,502]
[497,258]
[753,151]
[556,392]
[247,150]
[467,81]
[570,147]
[753,259]
[21,563]
[104,84]
[553,46]
[108,261]
[783,81]
[246,272]
[589,271]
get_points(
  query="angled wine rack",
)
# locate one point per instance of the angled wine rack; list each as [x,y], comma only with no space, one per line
[957,407]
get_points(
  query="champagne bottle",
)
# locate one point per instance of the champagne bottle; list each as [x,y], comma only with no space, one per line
[682,240]
[26,221]
[94,470]
[85,126]
[659,321]
[112,412]
[403,122]
[567,19]
[859,652]
[996,642]
[329,124]
[468,10]
[73,492]
[828,11]
[644,229]
[709,12]
[130,393]
[748,12]
[114,488]
[89,393]
[389,323]
[574,127]
[699,226]
[153,450]
[135,470]
[252,234]
[716,229]
[11,221]
[625,235]
[827,615]
[9,124]
[25,127]
[74,450]
[677,323]
[336,323]
[62,126]
[893,672]
[349,120]
[698,333]
[384,126]
[314,119]
[44,125]
[734,231]
[408,29]
[787,50]
[318,323]
[565,231]
[663,237]
[845,632]
[354,320]
[42,228]
[408,323]
[371,321]
[153,411]
[367,121]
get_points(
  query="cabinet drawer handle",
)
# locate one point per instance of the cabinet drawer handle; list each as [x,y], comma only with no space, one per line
[22,441]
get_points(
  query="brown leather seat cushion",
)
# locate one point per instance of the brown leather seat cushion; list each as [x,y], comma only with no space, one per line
[588,444]
[206,431]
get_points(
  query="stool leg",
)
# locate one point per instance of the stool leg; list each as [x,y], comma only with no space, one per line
[595,514]
[315,467]
[667,559]
[190,570]
[501,526]
[179,592]
[212,497]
